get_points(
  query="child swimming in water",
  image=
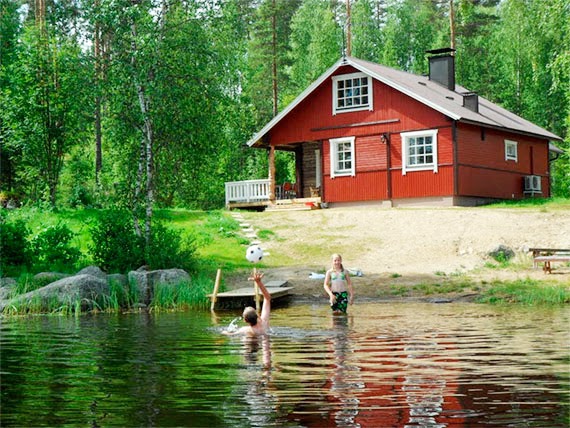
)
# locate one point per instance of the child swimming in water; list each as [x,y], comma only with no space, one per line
[338,286]
[258,324]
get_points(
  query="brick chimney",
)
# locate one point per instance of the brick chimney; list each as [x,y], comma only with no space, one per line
[442,67]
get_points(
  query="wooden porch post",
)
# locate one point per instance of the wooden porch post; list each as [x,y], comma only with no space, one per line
[272,173]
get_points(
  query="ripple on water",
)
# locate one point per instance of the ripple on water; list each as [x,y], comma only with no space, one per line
[382,365]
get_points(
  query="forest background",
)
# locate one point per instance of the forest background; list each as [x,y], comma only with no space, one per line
[146,104]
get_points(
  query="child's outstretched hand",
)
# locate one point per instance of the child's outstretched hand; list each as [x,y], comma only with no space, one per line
[257,275]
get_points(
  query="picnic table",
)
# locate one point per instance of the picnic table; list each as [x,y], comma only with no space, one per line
[549,255]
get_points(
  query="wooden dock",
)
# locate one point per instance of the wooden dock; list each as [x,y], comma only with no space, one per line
[245,296]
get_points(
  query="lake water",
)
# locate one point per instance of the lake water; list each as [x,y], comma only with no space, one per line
[384,365]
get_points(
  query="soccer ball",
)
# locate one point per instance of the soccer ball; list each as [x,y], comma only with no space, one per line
[254,253]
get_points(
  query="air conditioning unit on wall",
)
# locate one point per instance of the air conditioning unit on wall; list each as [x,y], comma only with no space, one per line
[532,184]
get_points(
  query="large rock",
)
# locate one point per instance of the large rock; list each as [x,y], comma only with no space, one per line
[83,288]
[94,271]
[146,281]
[7,285]
[45,278]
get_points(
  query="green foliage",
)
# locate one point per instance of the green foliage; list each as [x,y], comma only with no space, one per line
[168,249]
[266,234]
[408,33]
[208,76]
[316,42]
[268,58]
[43,114]
[119,297]
[526,292]
[445,288]
[14,245]
[185,295]
[502,258]
[53,250]
[556,203]
[367,39]
[116,247]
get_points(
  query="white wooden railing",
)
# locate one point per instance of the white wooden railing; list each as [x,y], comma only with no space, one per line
[247,191]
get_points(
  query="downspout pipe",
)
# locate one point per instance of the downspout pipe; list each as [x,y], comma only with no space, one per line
[385,139]
[455,160]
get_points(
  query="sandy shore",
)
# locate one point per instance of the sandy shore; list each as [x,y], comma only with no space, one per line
[404,247]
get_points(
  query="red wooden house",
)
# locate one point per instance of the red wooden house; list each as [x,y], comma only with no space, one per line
[366,133]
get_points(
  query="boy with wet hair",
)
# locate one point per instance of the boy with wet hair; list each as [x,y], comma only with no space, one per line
[258,324]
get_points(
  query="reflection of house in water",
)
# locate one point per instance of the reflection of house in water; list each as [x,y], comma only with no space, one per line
[344,383]
[419,374]
[386,382]
[405,385]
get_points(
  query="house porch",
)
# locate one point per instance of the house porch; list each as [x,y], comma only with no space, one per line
[255,194]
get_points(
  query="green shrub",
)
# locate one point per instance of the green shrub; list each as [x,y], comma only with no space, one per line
[116,247]
[53,250]
[168,249]
[14,245]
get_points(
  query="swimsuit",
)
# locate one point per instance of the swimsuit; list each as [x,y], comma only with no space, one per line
[338,282]
[341,301]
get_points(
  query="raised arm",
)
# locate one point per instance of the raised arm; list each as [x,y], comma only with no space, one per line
[266,307]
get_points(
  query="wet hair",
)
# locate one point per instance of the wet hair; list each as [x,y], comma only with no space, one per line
[340,257]
[250,316]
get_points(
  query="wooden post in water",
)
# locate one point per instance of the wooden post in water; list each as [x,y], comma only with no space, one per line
[257,304]
[216,287]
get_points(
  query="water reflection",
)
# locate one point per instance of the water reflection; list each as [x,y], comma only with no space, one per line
[402,365]
[344,383]
[259,394]
[424,386]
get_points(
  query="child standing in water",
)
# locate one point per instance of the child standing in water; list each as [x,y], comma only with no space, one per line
[338,286]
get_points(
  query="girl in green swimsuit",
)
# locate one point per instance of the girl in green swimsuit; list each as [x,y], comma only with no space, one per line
[338,285]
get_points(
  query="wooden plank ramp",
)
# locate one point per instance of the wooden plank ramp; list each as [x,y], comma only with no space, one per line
[245,296]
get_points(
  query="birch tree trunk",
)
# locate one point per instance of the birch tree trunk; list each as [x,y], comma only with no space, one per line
[146,153]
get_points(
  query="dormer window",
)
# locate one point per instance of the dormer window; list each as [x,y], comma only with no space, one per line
[352,92]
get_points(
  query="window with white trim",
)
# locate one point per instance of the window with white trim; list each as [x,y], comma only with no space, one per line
[352,92]
[419,151]
[511,150]
[342,157]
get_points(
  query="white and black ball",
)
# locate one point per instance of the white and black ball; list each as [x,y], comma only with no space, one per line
[254,253]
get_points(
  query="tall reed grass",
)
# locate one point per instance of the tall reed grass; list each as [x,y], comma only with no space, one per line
[184,295]
[181,296]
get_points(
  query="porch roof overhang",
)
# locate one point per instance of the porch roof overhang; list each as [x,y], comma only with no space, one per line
[429,93]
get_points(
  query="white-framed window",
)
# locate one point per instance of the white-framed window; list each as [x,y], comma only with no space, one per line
[342,157]
[419,151]
[511,150]
[352,92]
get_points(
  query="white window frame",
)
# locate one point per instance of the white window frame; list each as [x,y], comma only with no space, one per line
[335,143]
[349,77]
[406,140]
[511,145]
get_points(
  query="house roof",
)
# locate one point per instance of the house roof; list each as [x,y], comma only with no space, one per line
[428,92]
